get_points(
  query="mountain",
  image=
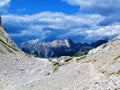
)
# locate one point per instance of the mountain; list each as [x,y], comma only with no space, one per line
[98,70]
[99,42]
[15,65]
[58,48]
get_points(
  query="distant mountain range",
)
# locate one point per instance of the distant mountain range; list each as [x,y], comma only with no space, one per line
[58,48]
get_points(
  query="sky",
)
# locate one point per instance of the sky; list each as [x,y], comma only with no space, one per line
[47,20]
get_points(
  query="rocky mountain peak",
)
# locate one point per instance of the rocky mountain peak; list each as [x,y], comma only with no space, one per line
[68,42]
[57,43]
[34,41]
[57,48]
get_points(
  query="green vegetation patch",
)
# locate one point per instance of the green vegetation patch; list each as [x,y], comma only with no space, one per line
[117,57]
[69,59]
[8,47]
[82,57]
[56,64]
[105,45]
[118,72]
[47,74]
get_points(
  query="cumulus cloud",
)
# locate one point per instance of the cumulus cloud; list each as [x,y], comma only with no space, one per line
[89,35]
[48,25]
[110,20]
[108,8]
[104,7]
[4,4]
[105,31]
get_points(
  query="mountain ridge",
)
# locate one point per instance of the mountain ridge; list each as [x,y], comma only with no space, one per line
[58,48]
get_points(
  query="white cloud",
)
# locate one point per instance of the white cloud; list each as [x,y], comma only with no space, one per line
[89,35]
[4,4]
[105,31]
[105,7]
[48,25]
[59,21]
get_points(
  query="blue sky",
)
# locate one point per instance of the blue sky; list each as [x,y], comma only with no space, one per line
[81,20]
[31,7]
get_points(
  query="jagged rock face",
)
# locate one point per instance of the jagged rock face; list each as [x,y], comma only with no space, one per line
[6,43]
[57,48]
[54,49]
[69,42]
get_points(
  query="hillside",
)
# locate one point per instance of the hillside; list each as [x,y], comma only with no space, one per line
[16,67]
[99,70]
[6,44]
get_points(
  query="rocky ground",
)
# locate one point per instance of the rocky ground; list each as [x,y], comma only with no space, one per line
[99,70]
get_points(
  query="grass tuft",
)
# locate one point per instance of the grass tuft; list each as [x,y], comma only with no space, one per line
[117,57]
[82,57]
[105,45]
